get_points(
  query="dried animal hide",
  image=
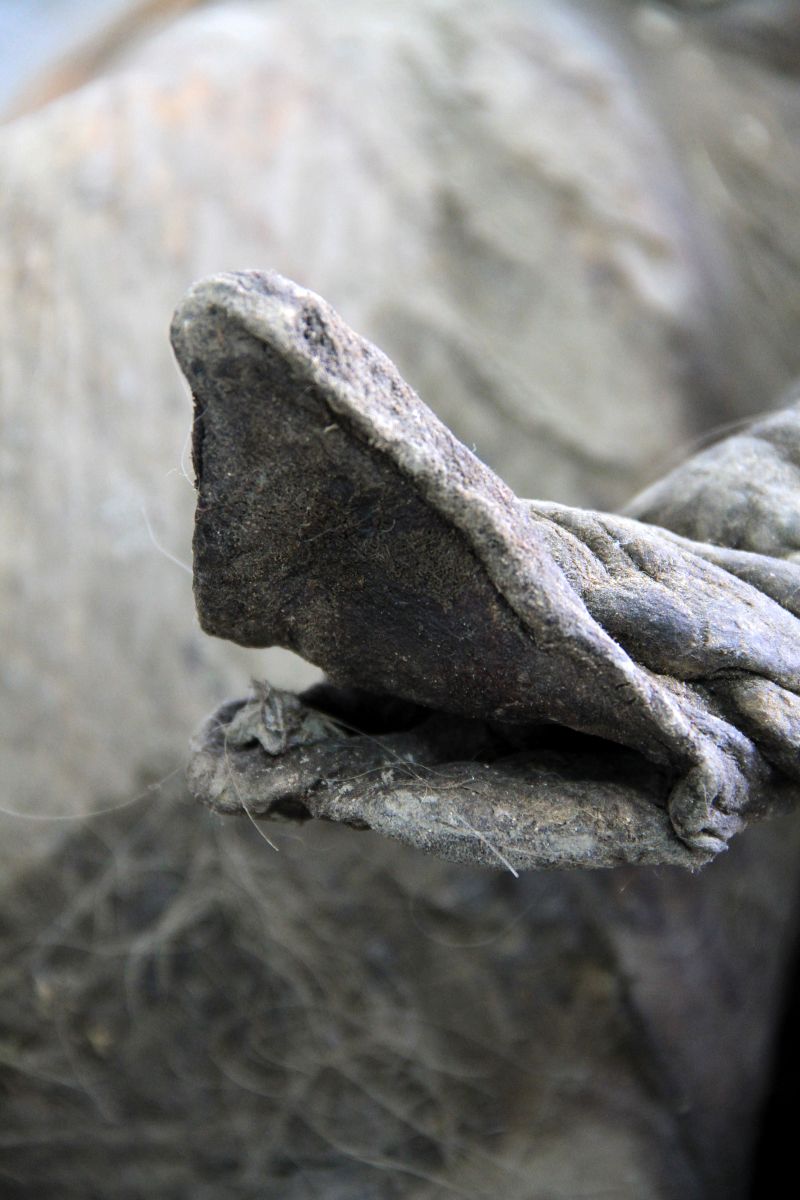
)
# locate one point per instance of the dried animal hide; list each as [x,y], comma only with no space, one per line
[339,518]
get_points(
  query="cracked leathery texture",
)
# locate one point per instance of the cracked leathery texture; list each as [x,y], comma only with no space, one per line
[339,518]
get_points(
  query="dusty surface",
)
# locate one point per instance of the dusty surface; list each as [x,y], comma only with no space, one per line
[338,518]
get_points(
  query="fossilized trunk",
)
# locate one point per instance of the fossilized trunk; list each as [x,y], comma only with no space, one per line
[336,516]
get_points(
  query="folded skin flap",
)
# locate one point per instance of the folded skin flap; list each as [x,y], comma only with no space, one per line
[339,518]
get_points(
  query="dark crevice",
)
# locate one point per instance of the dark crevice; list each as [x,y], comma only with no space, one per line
[774,1156]
[198,439]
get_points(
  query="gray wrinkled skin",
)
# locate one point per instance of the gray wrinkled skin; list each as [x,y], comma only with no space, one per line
[339,518]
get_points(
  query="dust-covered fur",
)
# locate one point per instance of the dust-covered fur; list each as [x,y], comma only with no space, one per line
[189,1012]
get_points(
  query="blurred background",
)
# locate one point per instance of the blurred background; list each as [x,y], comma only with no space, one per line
[35,36]
[573,225]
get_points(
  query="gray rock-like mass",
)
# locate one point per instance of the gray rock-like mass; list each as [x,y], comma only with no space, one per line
[338,517]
